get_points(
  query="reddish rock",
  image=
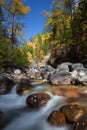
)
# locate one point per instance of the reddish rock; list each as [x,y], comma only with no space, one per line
[37,100]
[81,124]
[24,85]
[56,118]
[73,112]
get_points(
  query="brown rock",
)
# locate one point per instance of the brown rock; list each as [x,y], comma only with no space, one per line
[81,124]
[56,118]
[5,84]
[24,85]
[73,112]
[37,100]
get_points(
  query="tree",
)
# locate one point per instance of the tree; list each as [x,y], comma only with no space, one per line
[1,22]
[58,25]
[16,10]
[80,29]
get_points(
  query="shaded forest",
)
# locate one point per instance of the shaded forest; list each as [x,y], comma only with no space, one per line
[64,35]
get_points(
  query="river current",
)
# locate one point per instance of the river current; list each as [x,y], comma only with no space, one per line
[19,117]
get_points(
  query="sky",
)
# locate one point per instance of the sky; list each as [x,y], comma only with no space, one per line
[34,21]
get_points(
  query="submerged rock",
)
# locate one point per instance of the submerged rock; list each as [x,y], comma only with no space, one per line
[81,124]
[24,86]
[5,84]
[73,112]
[56,118]
[37,100]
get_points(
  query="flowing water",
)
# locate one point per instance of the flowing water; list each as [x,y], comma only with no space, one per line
[19,117]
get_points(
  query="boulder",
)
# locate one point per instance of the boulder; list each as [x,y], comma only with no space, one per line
[77,66]
[56,118]
[79,76]
[73,112]
[37,100]
[61,77]
[24,86]
[1,119]
[75,74]
[17,72]
[77,82]
[17,78]
[81,124]
[46,70]
[5,84]
[65,65]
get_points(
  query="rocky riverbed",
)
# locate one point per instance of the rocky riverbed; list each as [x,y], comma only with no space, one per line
[42,98]
[65,73]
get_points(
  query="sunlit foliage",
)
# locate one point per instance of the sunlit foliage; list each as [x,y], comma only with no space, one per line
[15,9]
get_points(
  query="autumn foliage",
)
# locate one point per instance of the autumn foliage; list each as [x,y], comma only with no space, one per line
[64,35]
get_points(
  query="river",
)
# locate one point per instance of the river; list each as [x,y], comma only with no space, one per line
[19,117]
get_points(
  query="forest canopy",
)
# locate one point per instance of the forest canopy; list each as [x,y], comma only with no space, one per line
[64,35]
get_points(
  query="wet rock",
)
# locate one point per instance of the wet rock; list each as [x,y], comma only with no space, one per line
[81,124]
[1,119]
[37,100]
[73,112]
[56,118]
[61,77]
[24,86]
[5,84]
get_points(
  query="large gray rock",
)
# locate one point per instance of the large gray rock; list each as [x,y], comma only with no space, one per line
[79,75]
[77,66]
[64,66]
[45,71]
[61,77]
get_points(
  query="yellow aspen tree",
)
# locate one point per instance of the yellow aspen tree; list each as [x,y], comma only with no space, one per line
[16,9]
